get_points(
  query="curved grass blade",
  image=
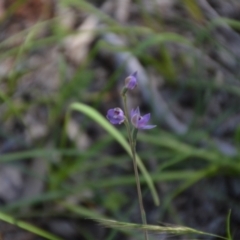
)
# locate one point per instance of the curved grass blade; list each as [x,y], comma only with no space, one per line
[157,39]
[169,229]
[96,116]
[29,227]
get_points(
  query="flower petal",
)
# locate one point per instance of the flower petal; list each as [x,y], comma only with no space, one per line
[133,112]
[110,112]
[137,111]
[134,120]
[134,74]
[145,118]
[149,126]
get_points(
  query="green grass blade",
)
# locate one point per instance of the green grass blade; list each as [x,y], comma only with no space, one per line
[156,39]
[229,236]
[68,190]
[90,8]
[46,153]
[221,21]
[175,145]
[170,229]
[80,210]
[96,116]
[29,227]
[194,10]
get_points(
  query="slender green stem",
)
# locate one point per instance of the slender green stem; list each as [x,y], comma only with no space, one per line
[133,150]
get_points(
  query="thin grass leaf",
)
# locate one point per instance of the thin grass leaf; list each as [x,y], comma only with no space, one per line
[82,211]
[29,227]
[229,236]
[11,10]
[96,116]
[90,8]
[166,64]
[221,20]
[157,39]
[194,10]
[188,182]
[46,153]
[169,229]
[68,190]
[213,156]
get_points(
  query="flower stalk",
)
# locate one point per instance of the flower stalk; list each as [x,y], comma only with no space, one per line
[132,141]
[133,122]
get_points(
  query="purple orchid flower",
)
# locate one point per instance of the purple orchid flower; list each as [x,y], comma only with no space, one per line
[139,121]
[131,81]
[115,115]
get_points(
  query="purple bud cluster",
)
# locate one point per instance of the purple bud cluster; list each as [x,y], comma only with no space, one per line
[116,115]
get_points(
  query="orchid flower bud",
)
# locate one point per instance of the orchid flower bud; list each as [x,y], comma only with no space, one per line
[116,115]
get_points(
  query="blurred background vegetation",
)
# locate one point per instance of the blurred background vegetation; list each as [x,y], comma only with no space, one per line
[59,168]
